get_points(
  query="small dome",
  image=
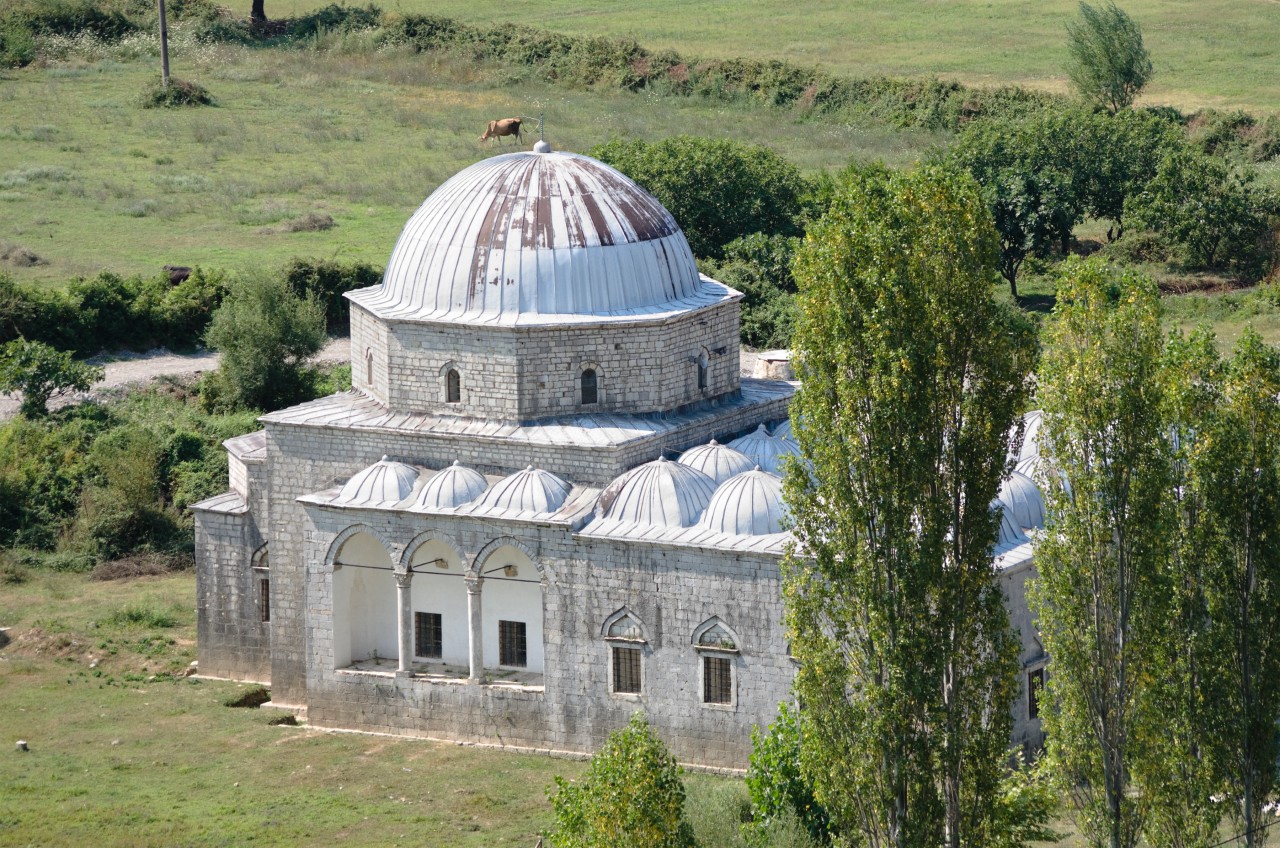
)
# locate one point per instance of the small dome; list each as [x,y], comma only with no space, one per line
[1010,533]
[661,493]
[765,450]
[452,486]
[382,484]
[1022,501]
[537,234]
[531,490]
[716,461]
[748,505]
[783,431]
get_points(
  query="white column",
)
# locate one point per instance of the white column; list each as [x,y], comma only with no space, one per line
[404,617]
[475,626]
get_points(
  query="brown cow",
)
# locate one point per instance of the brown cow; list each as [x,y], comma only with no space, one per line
[506,126]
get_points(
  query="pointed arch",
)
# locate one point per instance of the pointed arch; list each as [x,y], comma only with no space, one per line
[623,616]
[715,634]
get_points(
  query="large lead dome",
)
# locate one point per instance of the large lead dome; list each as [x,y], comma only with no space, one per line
[538,234]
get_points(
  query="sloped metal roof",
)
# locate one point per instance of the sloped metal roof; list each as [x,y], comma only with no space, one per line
[523,236]
[1022,501]
[530,491]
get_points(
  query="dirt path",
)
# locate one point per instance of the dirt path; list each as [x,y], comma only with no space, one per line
[127,368]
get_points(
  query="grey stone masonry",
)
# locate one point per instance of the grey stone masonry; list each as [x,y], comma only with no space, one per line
[529,373]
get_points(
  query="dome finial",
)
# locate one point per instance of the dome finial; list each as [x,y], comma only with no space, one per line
[542,146]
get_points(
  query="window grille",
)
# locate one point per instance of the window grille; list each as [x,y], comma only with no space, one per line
[428,635]
[512,645]
[589,387]
[626,670]
[264,599]
[452,386]
[717,680]
[1035,683]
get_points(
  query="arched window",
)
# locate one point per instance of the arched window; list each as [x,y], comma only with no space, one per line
[703,369]
[590,393]
[452,386]
[626,640]
[368,366]
[718,649]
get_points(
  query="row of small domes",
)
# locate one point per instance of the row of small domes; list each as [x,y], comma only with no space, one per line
[661,493]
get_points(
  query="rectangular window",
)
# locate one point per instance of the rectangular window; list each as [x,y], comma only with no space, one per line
[717,680]
[626,670]
[512,647]
[428,635]
[264,599]
[1035,683]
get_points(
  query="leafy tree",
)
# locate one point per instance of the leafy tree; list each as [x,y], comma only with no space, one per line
[40,372]
[718,189]
[1121,154]
[777,785]
[1101,560]
[1109,64]
[1237,467]
[760,267]
[266,335]
[1033,179]
[912,378]
[631,796]
[1206,205]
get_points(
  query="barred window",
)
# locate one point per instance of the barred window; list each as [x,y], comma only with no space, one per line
[626,670]
[428,635]
[512,645]
[1035,683]
[264,599]
[717,680]
[590,394]
[452,386]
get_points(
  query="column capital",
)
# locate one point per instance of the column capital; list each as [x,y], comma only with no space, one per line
[404,579]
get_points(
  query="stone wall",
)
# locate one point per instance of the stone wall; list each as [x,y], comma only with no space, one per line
[232,639]
[527,373]
[670,590]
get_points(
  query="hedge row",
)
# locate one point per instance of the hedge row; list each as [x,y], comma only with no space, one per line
[110,312]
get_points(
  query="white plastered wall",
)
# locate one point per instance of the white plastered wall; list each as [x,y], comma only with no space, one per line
[512,598]
[443,591]
[364,589]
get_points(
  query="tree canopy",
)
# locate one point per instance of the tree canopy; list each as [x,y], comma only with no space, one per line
[40,372]
[1108,63]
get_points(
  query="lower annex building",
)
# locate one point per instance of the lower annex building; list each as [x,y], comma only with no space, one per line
[518,527]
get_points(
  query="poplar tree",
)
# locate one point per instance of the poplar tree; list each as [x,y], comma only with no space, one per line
[1100,594]
[1237,466]
[912,379]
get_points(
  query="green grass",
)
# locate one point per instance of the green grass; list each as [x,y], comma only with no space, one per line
[102,183]
[1206,52]
[122,753]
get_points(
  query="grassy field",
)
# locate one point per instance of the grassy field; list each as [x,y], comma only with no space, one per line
[1206,52]
[89,180]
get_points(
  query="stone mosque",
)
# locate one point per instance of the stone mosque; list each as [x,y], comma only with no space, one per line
[548,501]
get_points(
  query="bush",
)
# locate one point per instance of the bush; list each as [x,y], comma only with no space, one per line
[335,18]
[777,787]
[267,335]
[760,267]
[17,46]
[176,93]
[327,281]
[70,17]
[251,698]
[717,189]
[139,615]
[40,373]
[631,796]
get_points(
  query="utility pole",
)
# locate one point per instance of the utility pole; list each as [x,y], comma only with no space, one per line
[164,47]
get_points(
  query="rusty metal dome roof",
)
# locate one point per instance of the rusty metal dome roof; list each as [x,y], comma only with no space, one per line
[530,238]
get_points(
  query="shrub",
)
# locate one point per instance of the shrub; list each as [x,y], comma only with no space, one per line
[335,18]
[140,615]
[267,335]
[777,787]
[718,189]
[176,93]
[631,796]
[251,698]
[17,47]
[70,17]
[327,281]
[760,267]
[40,373]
